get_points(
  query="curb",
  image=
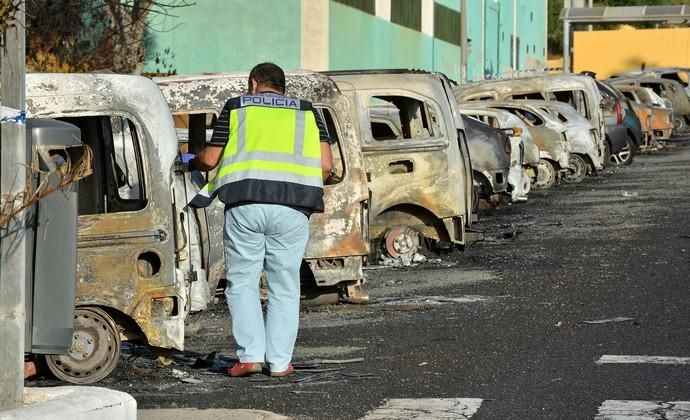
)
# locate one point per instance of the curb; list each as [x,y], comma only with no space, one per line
[210,414]
[74,403]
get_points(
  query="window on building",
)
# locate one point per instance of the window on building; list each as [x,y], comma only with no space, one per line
[407,13]
[117,183]
[447,24]
[401,118]
[367,6]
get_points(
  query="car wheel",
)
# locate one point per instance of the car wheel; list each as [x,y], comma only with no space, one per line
[577,170]
[94,352]
[546,175]
[625,156]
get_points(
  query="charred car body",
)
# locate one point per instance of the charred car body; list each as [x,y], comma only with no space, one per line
[420,183]
[524,157]
[579,91]
[668,89]
[549,136]
[490,151]
[587,154]
[135,262]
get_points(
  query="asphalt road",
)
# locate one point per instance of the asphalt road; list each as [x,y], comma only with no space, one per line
[499,330]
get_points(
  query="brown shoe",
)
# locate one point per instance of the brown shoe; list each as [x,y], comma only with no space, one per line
[283,373]
[240,369]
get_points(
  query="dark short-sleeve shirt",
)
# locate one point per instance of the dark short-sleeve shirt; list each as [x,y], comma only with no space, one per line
[221,130]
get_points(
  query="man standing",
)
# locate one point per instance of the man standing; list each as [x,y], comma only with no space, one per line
[272,154]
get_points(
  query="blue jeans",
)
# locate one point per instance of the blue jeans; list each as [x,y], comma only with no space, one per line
[273,238]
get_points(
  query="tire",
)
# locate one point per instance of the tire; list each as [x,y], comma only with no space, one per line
[476,192]
[607,153]
[546,175]
[94,352]
[578,170]
[625,156]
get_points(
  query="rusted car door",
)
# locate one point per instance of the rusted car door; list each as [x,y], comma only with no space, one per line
[338,238]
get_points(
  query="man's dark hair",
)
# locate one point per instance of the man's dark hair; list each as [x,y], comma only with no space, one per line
[268,74]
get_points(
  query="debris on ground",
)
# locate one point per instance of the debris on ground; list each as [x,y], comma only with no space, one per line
[609,320]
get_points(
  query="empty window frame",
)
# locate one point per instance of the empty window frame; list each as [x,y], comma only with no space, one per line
[529,117]
[530,95]
[194,130]
[328,116]
[117,183]
[575,98]
[401,118]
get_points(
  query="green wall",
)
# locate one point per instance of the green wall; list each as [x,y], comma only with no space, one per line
[358,40]
[227,35]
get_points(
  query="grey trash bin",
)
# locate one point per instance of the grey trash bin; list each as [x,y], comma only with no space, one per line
[50,287]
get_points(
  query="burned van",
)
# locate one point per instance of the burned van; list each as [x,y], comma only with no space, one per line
[420,177]
[338,238]
[134,258]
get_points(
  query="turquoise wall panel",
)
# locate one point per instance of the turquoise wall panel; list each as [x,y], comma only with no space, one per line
[227,35]
[475,66]
[361,40]
[358,40]
[447,59]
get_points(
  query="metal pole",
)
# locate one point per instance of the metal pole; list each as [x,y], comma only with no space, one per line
[12,234]
[566,47]
[463,40]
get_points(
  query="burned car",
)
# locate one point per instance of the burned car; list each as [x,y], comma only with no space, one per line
[660,112]
[338,238]
[135,259]
[587,153]
[420,178]
[490,150]
[524,157]
[579,91]
[549,136]
[667,89]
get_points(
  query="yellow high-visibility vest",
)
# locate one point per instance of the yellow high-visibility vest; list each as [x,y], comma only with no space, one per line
[273,155]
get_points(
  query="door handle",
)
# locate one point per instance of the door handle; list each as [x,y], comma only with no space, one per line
[401,167]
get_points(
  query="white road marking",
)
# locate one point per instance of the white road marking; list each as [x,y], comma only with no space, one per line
[426,408]
[643,410]
[659,360]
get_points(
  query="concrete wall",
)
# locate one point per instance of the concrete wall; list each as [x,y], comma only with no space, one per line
[608,52]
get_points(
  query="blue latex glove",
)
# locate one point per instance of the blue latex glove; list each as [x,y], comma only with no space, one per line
[187,157]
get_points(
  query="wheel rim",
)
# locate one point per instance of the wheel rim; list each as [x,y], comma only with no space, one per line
[546,175]
[401,241]
[578,170]
[95,349]
[622,156]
